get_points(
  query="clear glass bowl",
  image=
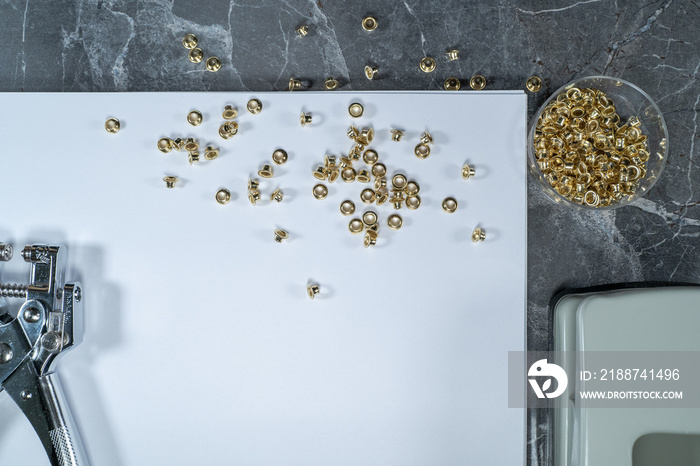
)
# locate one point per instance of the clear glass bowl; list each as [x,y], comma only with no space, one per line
[629,100]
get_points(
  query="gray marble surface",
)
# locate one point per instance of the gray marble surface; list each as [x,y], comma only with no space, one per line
[101,45]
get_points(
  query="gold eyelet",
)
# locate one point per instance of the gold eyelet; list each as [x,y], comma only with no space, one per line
[190,41]
[379,170]
[371,72]
[478,235]
[396,135]
[370,157]
[196,55]
[422,151]
[467,171]
[253,196]
[413,202]
[397,200]
[452,55]
[380,182]
[193,157]
[477,82]
[194,118]
[369,23]
[320,191]
[211,152]
[170,181]
[277,195]
[356,226]
[305,119]
[370,239]
[253,185]
[356,110]
[399,181]
[394,221]
[229,113]
[369,218]
[112,125]
[347,207]
[266,171]
[254,106]
[165,145]
[452,84]
[449,205]
[223,196]
[294,84]
[348,174]
[533,84]
[303,30]
[427,64]
[279,156]
[280,235]
[412,188]
[191,145]
[312,290]
[367,196]
[426,138]
[331,84]
[213,64]
[381,196]
[333,174]
[363,176]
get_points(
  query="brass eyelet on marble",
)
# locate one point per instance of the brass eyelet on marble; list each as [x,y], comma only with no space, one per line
[229,112]
[369,23]
[170,181]
[370,157]
[279,156]
[331,84]
[380,182]
[427,64]
[369,218]
[477,82]
[266,171]
[320,191]
[253,196]
[303,30]
[533,84]
[381,195]
[371,72]
[452,54]
[320,173]
[347,207]
[277,195]
[413,202]
[467,171]
[478,235]
[399,181]
[312,290]
[196,55]
[370,239]
[412,188]
[190,41]
[449,205]
[363,176]
[112,125]
[280,235]
[193,157]
[213,64]
[194,118]
[355,110]
[426,138]
[254,106]
[396,134]
[165,145]
[305,119]
[452,84]
[356,226]
[367,196]
[294,84]
[210,153]
[223,196]
[348,174]
[253,185]
[191,145]
[394,221]
[422,151]
[379,170]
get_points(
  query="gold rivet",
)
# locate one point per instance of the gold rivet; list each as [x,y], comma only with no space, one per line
[371,72]
[191,145]
[369,218]
[277,195]
[279,156]
[211,152]
[303,30]
[194,118]
[353,132]
[112,125]
[190,41]
[367,196]
[165,145]
[294,84]
[380,182]
[178,144]
[356,152]
[381,196]
[320,191]
[370,157]
[356,226]
[254,106]
[394,221]
[396,134]
[412,188]
[347,207]
[426,138]
[333,174]
[355,110]
[223,196]
[170,181]
[449,205]
[193,157]
[363,176]
[280,235]
[467,171]
[533,84]
[366,136]
[305,119]
[427,64]
[196,55]
[331,84]
[478,235]
[422,151]
[452,84]
[477,82]
[348,174]
[330,161]
[213,64]
[266,171]
[229,113]
[320,173]
[369,23]
[379,170]
[399,181]
[397,199]
[370,239]
[228,129]
[223,133]
[312,290]
[413,202]
[253,185]
[345,162]
[452,55]
[253,196]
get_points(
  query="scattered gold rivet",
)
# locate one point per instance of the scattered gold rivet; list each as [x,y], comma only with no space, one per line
[355,110]
[427,64]
[253,185]
[363,176]
[371,71]
[165,145]
[478,235]
[356,226]
[396,134]
[330,161]
[422,151]
[211,152]
[193,157]
[347,207]
[294,84]
[467,171]
[449,205]
[331,84]
[333,174]
[477,82]
[190,41]
[412,188]
[191,145]
[367,196]
[394,221]
[112,125]
[224,133]
[194,118]
[399,181]
[266,171]
[170,181]
[413,202]
[223,196]
[366,136]
[253,196]
[320,191]
[277,195]
[231,127]
[452,55]
[370,238]
[370,157]
[279,156]
[369,23]
[320,173]
[196,55]
[305,119]
[380,182]
[452,84]
[280,235]
[381,196]
[312,290]
[533,84]
[397,199]
[426,138]
[303,30]
[254,106]
[213,64]
[348,174]
[353,132]
[178,144]
[229,113]
[379,170]
[369,218]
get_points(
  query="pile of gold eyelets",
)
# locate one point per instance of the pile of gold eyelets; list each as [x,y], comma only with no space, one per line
[196,54]
[584,152]
[189,145]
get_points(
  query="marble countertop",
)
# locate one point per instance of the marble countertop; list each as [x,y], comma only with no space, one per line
[112,45]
